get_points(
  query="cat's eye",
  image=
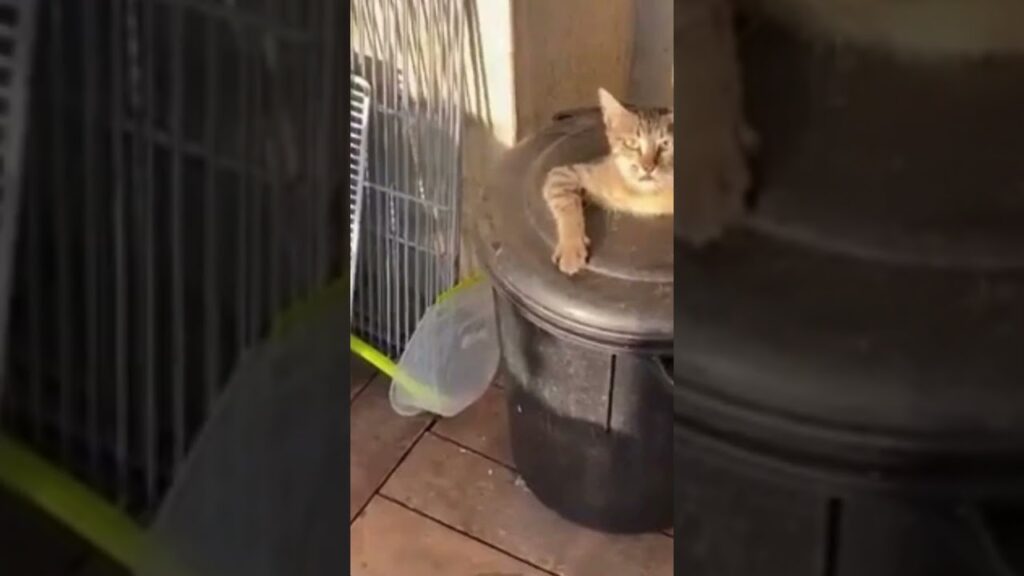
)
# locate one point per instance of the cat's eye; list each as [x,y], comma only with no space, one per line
[631,144]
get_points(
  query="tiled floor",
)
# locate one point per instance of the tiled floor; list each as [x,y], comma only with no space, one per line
[442,498]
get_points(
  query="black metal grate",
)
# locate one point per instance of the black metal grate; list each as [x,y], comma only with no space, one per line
[17,39]
[181,194]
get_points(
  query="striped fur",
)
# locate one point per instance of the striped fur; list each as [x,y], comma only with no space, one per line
[635,177]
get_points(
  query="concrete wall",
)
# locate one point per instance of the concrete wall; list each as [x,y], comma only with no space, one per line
[651,70]
[564,51]
[535,57]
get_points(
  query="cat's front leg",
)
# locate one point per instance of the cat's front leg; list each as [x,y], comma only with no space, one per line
[563,192]
[715,141]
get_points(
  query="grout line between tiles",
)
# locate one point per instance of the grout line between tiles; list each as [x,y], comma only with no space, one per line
[462,446]
[472,537]
[391,472]
[475,452]
[369,381]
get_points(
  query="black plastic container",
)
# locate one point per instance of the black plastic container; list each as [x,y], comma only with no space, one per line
[849,369]
[589,401]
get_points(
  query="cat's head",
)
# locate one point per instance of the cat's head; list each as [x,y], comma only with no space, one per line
[641,143]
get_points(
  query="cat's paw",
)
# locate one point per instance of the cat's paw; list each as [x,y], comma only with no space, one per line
[571,255]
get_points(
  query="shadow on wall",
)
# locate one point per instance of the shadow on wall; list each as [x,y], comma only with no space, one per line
[482,146]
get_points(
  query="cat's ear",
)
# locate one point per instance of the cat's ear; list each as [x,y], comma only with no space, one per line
[613,111]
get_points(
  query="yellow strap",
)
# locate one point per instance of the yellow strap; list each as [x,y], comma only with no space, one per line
[87,514]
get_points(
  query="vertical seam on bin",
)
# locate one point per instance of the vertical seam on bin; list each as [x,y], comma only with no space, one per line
[830,556]
[611,396]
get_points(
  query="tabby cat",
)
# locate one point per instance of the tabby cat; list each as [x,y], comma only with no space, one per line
[635,177]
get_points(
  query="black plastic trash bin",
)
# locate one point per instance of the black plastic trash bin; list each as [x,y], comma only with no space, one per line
[849,366]
[589,397]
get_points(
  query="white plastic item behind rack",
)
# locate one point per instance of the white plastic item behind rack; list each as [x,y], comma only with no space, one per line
[359,122]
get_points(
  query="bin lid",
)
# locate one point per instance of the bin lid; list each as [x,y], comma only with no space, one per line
[837,333]
[852,359]
[878,158]
[623,298]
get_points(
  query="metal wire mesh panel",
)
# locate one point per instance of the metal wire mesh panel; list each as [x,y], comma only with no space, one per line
[413,54]
[358,127]
[180,191]
[17,39]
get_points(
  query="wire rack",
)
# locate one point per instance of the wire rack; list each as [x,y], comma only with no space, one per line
[413,54]
[358,127]
[179,192]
